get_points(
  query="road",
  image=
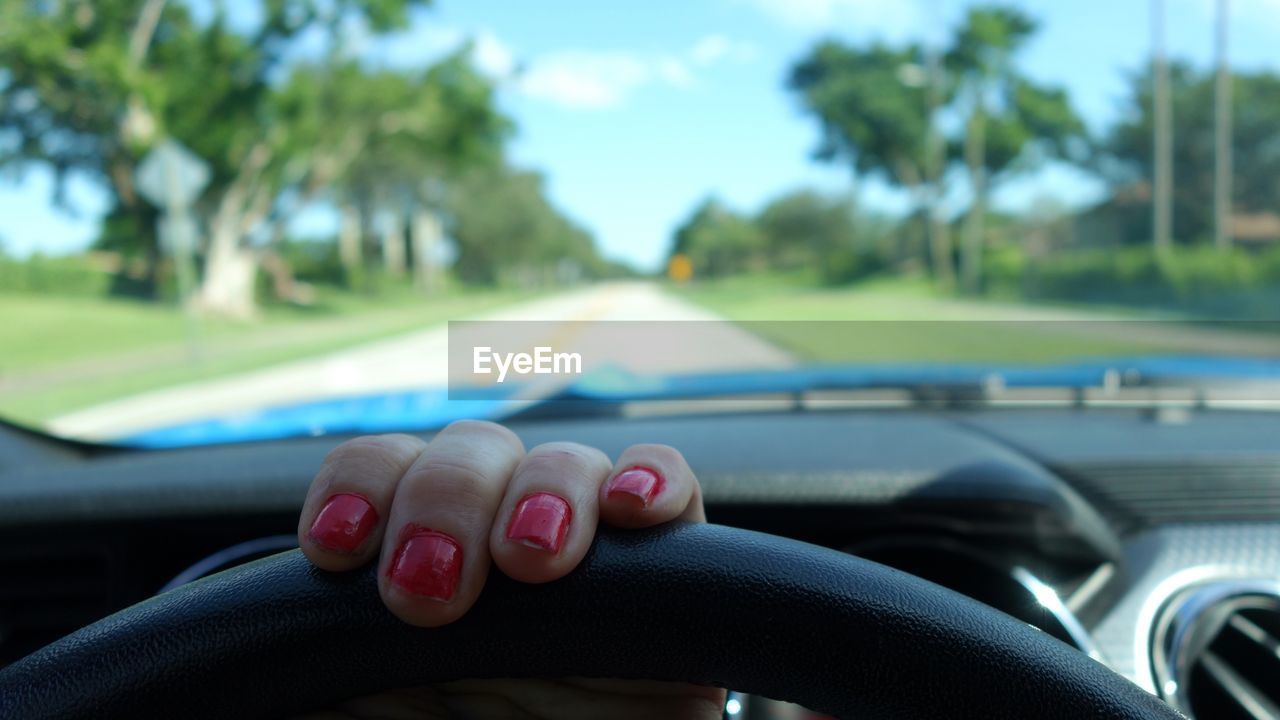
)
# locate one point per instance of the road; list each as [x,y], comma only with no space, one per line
[420,359]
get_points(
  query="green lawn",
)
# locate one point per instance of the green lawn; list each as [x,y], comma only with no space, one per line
[58,354]
[905,321]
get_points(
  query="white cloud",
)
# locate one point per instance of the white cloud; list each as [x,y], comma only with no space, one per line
[492,56]
[585,79]
[1242,11]
[600,79]
[420,45]
[709,49]
[674,71]
[716,47]
[572,78]
[888,17]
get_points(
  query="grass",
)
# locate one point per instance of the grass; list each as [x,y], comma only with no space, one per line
[59,354]
[906,320]
[943,341]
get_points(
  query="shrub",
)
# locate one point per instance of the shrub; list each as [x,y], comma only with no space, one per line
[1198,279]
[846,265]
[315,262]
[1003,271]
[67,275]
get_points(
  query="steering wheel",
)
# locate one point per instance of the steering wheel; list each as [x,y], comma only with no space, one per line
[698,603]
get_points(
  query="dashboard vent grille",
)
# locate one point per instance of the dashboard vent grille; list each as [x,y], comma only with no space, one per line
[48,592]
[1217,652]
[1157,493]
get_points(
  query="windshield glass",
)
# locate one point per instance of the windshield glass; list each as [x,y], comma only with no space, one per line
[237,219]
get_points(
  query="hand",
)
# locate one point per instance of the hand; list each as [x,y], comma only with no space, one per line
[473,496]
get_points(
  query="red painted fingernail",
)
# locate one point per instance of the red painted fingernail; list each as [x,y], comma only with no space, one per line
[540,521]
[637,482]
[343,523]
[427,563]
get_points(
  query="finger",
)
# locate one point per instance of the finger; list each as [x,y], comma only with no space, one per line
[548,516]
[436,556]
[650,484]
[346,509]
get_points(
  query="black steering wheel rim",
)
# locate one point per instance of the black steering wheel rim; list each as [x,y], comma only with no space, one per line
[697,603]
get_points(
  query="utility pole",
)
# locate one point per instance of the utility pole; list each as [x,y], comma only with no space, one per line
[1222,135]
[936,148]
[1162,192]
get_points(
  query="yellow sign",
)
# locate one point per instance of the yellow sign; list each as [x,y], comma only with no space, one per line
[680,268]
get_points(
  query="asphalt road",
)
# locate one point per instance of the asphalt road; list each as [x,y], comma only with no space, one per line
[420,359]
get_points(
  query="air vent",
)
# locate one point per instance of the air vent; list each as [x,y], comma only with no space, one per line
[48,592]
[1146,494]
[1216,651]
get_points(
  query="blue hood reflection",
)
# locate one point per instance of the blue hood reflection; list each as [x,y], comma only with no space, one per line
[432,408]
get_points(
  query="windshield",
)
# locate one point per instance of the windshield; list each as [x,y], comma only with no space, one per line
[272,218]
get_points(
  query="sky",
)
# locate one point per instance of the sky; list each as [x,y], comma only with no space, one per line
[636,112]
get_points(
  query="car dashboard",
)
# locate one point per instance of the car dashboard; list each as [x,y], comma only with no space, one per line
[1149,540]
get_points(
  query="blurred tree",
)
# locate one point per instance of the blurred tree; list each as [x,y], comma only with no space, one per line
[801,228]
[72,95]
[1127,154]
[719,241]
[1010,124]
[382,144]
[507,232]
[89,86]
[873,107]
[873,110]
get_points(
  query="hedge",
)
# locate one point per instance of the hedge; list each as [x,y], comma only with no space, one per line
[70,275]
[1198,279]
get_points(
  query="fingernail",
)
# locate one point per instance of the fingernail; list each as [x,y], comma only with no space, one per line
[343,523]
[540,521]
[427,563]
[638,482]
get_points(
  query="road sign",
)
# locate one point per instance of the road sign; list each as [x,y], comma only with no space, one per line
[171,178]
[680,268]
[171,175]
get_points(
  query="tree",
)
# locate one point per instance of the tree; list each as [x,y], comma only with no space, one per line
[89,87]
[876,110]
[507,232]
[720,241]
[1127,158]
[1011,123]
[383,144]
[72,96]
[872,112]
[804,228]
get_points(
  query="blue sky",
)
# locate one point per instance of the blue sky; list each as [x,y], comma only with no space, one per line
[637,111]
